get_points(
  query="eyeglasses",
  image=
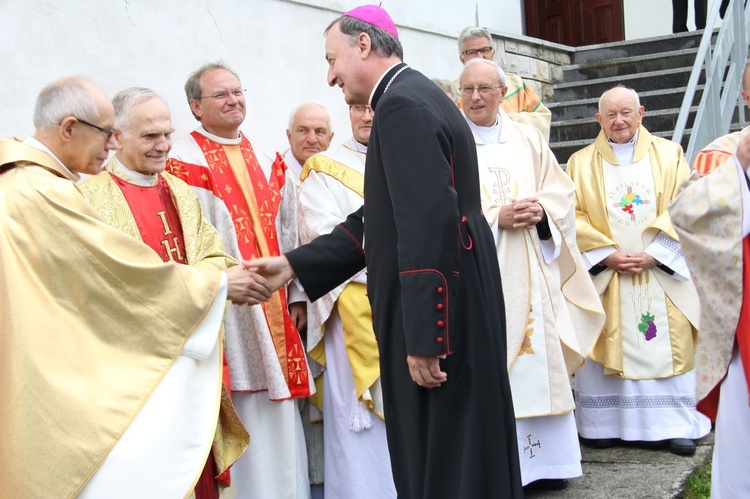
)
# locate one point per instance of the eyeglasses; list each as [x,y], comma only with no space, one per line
[105,131]
[483,90]
[237,92]
[474,52]
[360,109]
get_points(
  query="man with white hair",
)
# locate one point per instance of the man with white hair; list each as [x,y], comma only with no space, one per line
[339,330]
[99,331]
[135,196]
[553,314]
[521,103]
[309,133]
[251,198]
[639,382]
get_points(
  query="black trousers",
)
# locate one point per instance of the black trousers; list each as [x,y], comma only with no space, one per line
[680,14]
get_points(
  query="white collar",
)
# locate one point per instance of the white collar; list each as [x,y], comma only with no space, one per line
[292,162]
[220,140]
[489,135]
[624,152]
[33,142]
[134,177]
[372,94]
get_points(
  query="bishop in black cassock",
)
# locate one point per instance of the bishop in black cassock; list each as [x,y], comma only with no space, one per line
[433,277]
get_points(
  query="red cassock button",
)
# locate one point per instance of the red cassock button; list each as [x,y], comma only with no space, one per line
[440,289]
[439,323]
[440,306]
[439,340]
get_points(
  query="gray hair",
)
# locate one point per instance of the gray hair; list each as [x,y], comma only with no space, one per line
[499,73]
[637,99]
[124,102]
[193,84]
[471,33]
[297,109]
[61,99]
[381,41]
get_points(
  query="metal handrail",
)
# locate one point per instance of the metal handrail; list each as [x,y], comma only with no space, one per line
[723,68]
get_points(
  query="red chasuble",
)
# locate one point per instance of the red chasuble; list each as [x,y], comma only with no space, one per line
[254,214]
[710,404]
[156,217]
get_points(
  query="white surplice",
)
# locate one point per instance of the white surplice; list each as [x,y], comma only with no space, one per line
[357,463]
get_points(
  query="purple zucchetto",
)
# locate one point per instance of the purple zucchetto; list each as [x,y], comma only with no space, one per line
[375,15]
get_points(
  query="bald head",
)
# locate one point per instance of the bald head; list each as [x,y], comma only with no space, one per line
[745,92]
[620,114]
[73,117]
[309,130]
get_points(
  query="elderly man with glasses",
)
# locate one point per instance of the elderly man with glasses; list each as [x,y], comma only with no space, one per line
[251,198]
[553,315]
[98,332]
[521,103]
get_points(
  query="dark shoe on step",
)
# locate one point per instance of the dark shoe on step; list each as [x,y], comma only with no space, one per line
[682,446]
[601,443]
[548,484]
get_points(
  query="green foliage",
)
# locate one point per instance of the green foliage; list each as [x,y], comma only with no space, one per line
[699,483]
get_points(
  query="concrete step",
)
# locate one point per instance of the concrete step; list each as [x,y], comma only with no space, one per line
[629,471]
[654,121]
[630,65]
[651,100]
[648,80]
[563,150]
[642,46]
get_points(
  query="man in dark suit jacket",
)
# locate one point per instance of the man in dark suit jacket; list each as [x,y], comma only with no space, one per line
[433,278]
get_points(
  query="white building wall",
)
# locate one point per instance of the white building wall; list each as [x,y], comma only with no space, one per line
[275,45]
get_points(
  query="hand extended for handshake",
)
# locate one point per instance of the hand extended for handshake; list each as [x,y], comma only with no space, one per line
[630,264]
[253,281]
[521,214]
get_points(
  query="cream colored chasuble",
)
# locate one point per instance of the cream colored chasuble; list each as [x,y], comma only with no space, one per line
[532,392]
[632,207]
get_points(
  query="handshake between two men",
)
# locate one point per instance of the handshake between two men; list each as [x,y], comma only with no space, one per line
[253,281]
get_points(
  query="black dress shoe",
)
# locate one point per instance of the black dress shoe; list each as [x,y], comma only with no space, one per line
[682,446]
[548,484]
[601,443]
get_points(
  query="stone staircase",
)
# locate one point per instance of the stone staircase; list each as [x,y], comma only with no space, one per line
[657,68]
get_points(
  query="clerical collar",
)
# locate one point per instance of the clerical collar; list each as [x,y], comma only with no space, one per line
[220,140]
[360,146]
[487,134]
[134,177]
[389,73]
[33,142]
[624,152]
[292,162]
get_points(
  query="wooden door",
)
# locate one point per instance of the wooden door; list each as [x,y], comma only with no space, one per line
[575,22]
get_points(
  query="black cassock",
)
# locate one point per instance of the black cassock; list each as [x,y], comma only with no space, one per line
[434,285]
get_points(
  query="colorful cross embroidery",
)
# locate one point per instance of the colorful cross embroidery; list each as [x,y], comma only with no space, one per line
[629,201]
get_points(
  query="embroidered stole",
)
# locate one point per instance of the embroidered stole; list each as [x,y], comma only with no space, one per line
[644,319]
[253,202]
[156,217]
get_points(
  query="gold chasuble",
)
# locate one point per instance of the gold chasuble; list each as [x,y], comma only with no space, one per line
[651,318]
[253,203]
[168,216]
[91,320]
